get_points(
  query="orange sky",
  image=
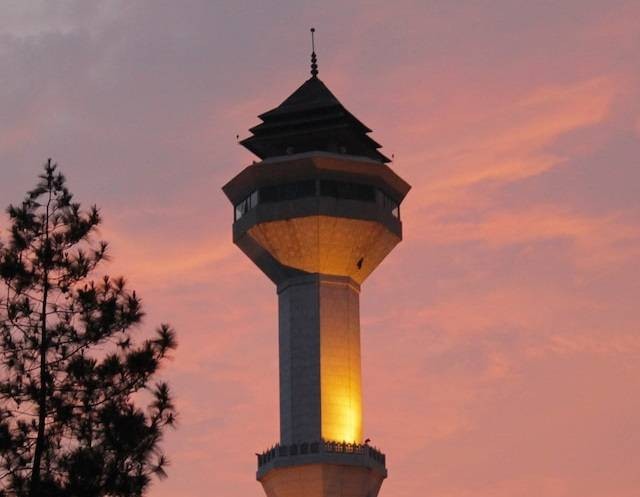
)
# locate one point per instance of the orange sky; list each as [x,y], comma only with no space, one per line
[500,339]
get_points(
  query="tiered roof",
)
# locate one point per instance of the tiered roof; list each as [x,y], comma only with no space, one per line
[311,119]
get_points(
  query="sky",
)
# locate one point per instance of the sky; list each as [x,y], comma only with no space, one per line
[500,339]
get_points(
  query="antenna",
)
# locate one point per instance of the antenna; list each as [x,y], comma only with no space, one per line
[314,59]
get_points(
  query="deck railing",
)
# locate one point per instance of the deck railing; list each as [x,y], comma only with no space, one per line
[320,447]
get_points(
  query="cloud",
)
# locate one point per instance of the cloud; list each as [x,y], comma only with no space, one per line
[499,339]
[506,144]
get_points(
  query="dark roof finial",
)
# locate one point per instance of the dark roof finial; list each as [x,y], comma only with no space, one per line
[314,59]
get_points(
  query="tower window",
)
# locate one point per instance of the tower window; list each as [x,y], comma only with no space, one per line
[327,188]
[389,204]
[288,191]
[347,191]
[246,205]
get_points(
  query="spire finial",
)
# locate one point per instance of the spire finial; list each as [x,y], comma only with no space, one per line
[314,59]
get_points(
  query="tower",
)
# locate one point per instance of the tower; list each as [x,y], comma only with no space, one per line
[317,215]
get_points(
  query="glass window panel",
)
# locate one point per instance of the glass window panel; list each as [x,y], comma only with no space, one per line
[347,191]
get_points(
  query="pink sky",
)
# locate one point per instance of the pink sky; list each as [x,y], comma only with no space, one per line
[501,344]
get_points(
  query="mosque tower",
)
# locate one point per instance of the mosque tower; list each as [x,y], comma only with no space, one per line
[317,215]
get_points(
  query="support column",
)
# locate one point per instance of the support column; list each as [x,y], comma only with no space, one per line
[299,343]
[320,376]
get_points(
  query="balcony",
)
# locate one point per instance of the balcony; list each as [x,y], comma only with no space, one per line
[321,452]
[339,190]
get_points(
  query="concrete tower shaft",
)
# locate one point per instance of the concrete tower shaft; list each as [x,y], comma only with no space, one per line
[320,379]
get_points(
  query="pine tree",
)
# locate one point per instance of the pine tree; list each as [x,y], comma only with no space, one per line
[71,374]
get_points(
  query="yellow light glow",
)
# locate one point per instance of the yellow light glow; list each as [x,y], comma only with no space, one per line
[342,408]
[340,383]
[326,245]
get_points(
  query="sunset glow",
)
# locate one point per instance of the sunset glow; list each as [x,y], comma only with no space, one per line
[500,339]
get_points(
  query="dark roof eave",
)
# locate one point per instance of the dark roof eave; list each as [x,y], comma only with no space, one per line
[261,149]
[368,141]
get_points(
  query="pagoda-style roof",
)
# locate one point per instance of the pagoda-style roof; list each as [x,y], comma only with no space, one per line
[311,119]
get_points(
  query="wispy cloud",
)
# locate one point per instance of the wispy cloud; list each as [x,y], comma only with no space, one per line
[500,339]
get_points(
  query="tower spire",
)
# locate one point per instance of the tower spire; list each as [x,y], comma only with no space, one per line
[314,59]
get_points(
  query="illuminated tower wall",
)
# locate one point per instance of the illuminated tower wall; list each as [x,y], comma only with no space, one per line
[320,381]
[317,215]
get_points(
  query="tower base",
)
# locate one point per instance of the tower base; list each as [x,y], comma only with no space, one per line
[322,480]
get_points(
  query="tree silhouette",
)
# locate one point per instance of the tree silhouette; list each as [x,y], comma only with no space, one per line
[70,368]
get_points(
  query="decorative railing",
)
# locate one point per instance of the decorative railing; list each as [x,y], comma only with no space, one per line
[321,447]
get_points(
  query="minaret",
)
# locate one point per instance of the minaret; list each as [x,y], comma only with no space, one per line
[317,215]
